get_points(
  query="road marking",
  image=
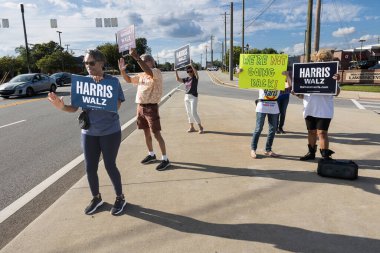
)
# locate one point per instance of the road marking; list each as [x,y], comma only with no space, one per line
[21,102]
[13,123]
[27,197]
[358,104]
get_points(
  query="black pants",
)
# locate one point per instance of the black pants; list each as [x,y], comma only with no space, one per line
[282,106]
[108,145]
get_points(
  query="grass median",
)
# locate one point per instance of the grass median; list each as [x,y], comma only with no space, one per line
[363,88]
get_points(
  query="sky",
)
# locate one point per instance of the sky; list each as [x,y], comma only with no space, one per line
[169,25]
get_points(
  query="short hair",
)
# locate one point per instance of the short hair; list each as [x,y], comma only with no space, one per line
[323,55]
[96,54]
[148,57]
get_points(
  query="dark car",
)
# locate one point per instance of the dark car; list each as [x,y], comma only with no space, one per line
[27,85]
[62,78]
[377,66]
[360,64]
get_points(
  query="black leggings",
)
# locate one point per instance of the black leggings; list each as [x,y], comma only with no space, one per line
[108,145]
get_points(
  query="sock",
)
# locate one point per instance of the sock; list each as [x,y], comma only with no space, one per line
[151,153]
[164,157]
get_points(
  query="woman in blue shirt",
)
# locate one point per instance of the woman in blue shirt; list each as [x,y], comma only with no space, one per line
[102,137]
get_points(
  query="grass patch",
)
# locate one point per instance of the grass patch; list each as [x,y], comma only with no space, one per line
[364,88]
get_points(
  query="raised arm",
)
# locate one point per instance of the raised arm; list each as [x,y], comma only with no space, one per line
[195,71]
[60,104]
[142,64]
[177,77]
[122,67]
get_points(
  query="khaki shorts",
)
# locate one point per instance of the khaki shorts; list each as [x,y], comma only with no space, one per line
[148,117]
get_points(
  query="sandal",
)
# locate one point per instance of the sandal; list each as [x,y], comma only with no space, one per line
[191,130]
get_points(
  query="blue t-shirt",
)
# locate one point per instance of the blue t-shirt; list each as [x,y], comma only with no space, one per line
[104,122]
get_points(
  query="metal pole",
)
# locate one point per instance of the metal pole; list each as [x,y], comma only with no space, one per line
[242,34]
[26,38]
[309,23]
[212,52]
[59,34]
[225,41]
[231,67]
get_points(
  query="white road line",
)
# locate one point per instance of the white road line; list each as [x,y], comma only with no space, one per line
[13,123]
[358,104]
[372,106]
[27,197]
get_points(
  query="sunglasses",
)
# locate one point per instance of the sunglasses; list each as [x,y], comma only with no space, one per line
[189,71]
[91,63]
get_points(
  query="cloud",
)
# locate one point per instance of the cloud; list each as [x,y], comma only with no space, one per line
[341,32]
[297,49]
[63,4]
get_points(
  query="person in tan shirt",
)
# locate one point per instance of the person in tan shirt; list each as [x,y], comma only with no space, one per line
[149,92]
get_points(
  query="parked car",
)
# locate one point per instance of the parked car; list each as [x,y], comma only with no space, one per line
[360,64]
[61,78]
[377,66]
[27,85]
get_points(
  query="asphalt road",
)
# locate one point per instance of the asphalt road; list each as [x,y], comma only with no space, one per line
[37,140]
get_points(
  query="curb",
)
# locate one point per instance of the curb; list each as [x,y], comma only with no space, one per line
[218,81]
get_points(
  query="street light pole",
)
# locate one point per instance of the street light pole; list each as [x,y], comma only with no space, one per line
[26,38]
[59,34]
[361,48]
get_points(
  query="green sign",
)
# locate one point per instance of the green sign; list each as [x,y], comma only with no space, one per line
[263,71]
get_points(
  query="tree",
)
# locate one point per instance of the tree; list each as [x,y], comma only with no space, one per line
[10,64]
[111,52]
[53,62]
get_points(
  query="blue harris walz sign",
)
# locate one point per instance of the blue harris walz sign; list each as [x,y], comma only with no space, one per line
[315,78]
[87,94]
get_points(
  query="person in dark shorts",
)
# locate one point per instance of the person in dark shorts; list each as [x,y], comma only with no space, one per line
[318,112]
[149,92]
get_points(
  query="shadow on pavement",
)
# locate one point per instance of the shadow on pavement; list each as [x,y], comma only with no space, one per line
[367,184]
[287,238]
[227,133]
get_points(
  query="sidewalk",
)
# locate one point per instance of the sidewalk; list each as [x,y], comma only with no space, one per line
[215,198]
[224,78]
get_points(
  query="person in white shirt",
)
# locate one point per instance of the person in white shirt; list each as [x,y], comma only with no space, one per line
[318,112]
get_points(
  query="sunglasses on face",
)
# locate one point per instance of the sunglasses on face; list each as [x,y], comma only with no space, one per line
[189,71]
[91,63]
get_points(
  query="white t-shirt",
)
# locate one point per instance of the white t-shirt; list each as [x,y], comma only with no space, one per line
[270,107]
[319,106]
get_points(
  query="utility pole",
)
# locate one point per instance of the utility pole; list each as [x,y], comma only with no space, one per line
[26,38]
[361,48]
[222,54]
[242,33]
[201,61]
[67,47]
[212,52]
[206,56]
[231,67]
[225,40]
[317,26]
[308,32]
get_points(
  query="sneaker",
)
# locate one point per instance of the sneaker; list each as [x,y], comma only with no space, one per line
[278,131]
[163,165]
[149,159]
[119,205]
[282,131]
[253,154]
[271,154]
[94,204]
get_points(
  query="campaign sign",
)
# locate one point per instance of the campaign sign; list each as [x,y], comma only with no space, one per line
[262,71]
[87,94]
[182,57]
[315,78]
[126,39]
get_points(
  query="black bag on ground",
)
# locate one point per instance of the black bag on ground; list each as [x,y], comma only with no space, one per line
[344,169]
